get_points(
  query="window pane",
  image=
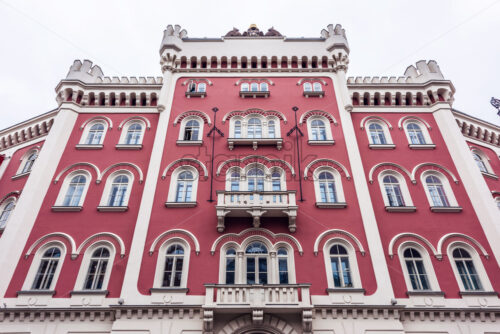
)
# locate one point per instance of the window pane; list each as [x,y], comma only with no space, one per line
[250,271]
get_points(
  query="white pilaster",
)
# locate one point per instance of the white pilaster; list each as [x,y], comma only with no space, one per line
[472,179]
[384,291]
[23,218]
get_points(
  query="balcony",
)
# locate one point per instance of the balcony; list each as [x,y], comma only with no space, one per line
[256,205]
[255,94]
[244,296]
[254,142]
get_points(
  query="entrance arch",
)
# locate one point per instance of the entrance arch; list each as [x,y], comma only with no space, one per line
[270,324]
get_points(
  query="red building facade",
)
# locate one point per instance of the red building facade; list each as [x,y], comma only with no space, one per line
[262,192]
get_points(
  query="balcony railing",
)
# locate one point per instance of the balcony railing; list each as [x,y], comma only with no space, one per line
[254,142]
[255,205]
[257,296]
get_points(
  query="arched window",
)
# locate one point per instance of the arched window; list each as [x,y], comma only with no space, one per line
[415,133]
[237,129]
[377,134]
[96,272]
[466,270]
[256,257]
[341,271]
[244,87]
[283,265]
[230,269]
[327,187]
[6,211]
[28,165]
[318,130]
[497,200]
[191,130]
[317,87]
[118,191]
[202,87]
[254,87]
[173,268]
[134,134]
[192,87]
[254,128]
[235,181]
[255,179]
[264,87]
[416,269]
[307,87]
[95,134]
[276,181]
[184,187]
[47,269]
[271,130]
[436,191]
[393,191]
[480,163]
[75,190]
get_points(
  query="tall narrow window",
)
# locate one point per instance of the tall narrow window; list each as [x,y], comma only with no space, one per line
[480,163]
[134,134]
[377,134]
[254,87]
[244,87]
[283,265]
[6,212]
[416,270]
[237,129]
[318,130]
[118,191]
[467,270]
[339,259]
[415,134]
[276,181]
[317,87]
[29,162]
[271,130]
[174,260]
[436,191]
[235,181]
[184,187]
[264,87]
[192,130]
[393,191]
[192,87]
[202,87]
[95,134]
[255,179]
[75,191]
[47,269]
[97,269]
[327,187]
[256,263]
[307,87]
[254,128]
[230,266]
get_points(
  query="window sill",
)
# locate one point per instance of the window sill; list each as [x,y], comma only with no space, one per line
[36,292]
[189,142]
[169,290]
[254,142]
[321,142]
[382,146]
[60,208]
[446,208]
[424,293]
[180,204]
[422,146]
[490,175]
[345,290]
[400,208]
[128,146]
[89,292]
[331,205]
[89,147]
[112,208]
[264,94]
[18,176]
[478,293]
[314,94]
[196,94]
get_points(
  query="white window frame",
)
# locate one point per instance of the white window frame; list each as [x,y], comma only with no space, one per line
[385,129]
[245,87]
[478,265]
[183,128]
[353,263]
[328,129]
[339,189]
[484,159]
[446,186]
[402,185]
[124,130]
[86,131]
[172,190]
[423,128]
[429,268]
[109,182]
[315,86]
[84,266]
[30,277]
[6,202]
[268,186]
[24,161]
[160,263]
[308,87]
[65,186]
[264,122]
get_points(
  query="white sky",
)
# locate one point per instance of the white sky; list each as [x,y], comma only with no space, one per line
[40,40]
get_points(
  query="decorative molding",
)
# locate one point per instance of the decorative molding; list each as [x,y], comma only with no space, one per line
[129,164]
[255,157]
[249,111]
[325,162]
[103,118]
[173,231]
[301,81]
[372,170]
[50,235]
[368,118]
[185,162]
[201,114]
[463,236]
[417,167]
[348,234]
[411,235]
[416,118]
[271,83]
[185,82]
[132,118]
[101,235]
[322,113]
[14,193]
[88,164]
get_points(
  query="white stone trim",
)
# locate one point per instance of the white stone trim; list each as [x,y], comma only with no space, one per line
[109,182]
[264,126]
[24,159]
[135,118]
[325,161]
[484,158]
[386,126]
[173,231]
[35,263]
[103,234]
[412,235]
[160,262]
[374,119]
[319,113]
[339,189]
[446,185]
[425,164]
[402,184]
[301,81]
[264,113]
[270,324]
[185,82]
[171,197]
[137,168]
[205,117]
[372,170]
[126,124]
[201,164]
[50,235]
[417,119]
[183,127]
[424,126]
[460,235]
[89,123]
[328,129]
[429,268]
[353,262]
[84,266]
[97,118]
[67,181]
[222,164]
[96,169]
[323,234]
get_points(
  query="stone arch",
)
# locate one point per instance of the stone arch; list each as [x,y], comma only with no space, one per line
[372,170]
[418,119]
[393,241]
[343,234]
[201,114]
[102,236]
[322,113]
[253,159]
[461,236]
[432,164]
[270,325]
[174,233]
[68,238]
[378,118]
[129,164]
[185,162]
[326,162]
[249,111]
[140,118]
[91,165]
[103,118]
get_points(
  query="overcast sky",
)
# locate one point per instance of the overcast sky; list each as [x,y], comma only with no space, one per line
[40,40]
